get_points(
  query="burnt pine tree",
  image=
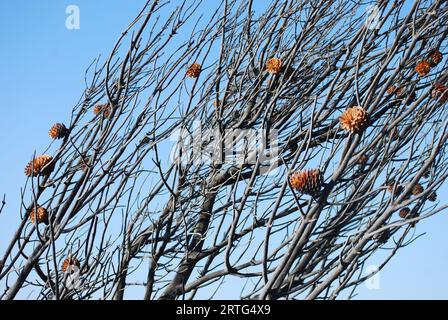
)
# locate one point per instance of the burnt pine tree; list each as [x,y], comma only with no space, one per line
[270,146]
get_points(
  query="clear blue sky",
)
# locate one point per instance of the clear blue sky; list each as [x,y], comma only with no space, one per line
[41,77]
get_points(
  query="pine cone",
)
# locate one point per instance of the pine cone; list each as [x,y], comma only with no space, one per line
[102,108]
[435,57]
[423,68]
[98,108]
[194,70]
[354,119]
[440,92]
[70,263]
[307,181]
[390,187]
[274,65]
[40,213]
[432,196]
[417,189]
[107,111]
[41,165]
[58,131]
[404,213]
[382,237]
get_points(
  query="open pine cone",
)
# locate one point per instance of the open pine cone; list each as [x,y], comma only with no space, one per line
[274,65]
[404,213]
[440,92]
[58,131]
[382,237]
[40,214]
[390,187]
[432,196]
[354,119]
[417,189]
[102,108]
[435,57]
[41,165]
[69,264]
[98,108]
[307,181]
[423,68]
[194,70]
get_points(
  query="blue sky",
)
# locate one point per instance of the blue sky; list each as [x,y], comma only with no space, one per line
[42,76]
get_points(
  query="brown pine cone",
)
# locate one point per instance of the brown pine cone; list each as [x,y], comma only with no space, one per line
[274,65]
[41,165]
[354,119]
[404,213]
[307,181]
[70,262]
[58,131]
[194,70]
[423,68]
[439,92]
[432,196]
[40,214]
[417,189]
[435,56]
